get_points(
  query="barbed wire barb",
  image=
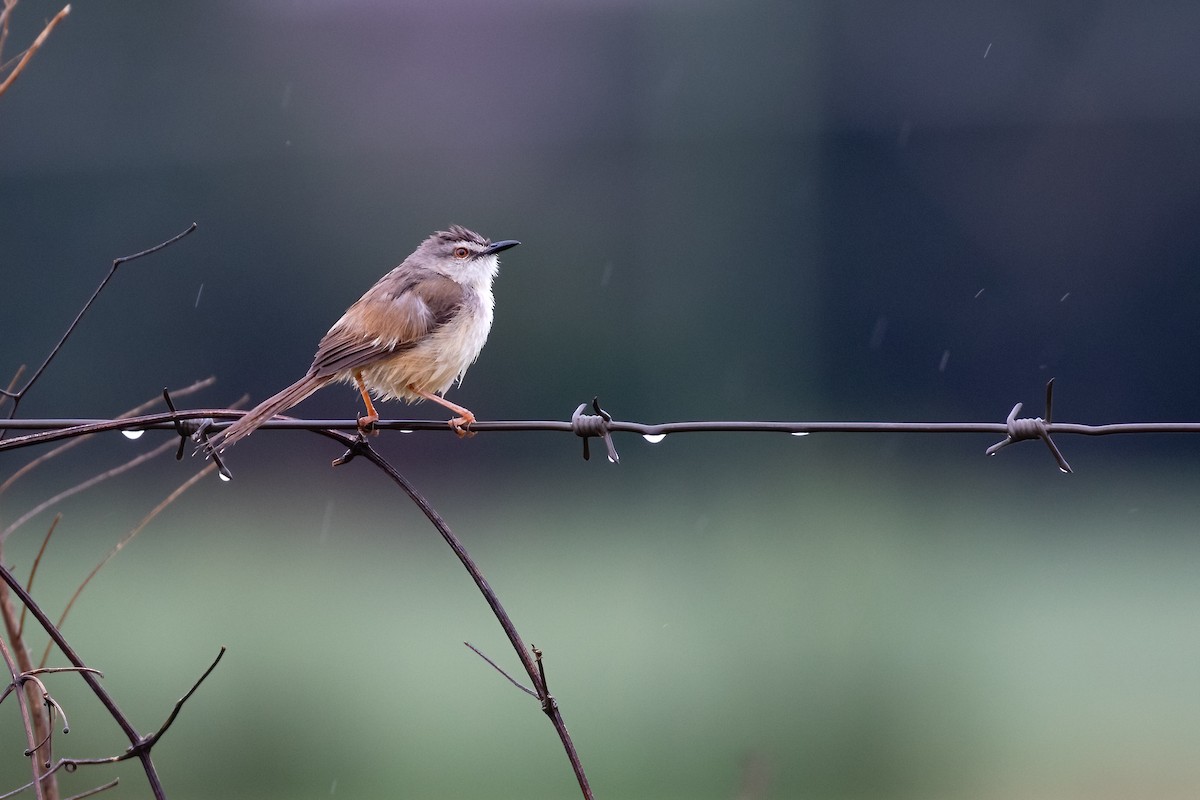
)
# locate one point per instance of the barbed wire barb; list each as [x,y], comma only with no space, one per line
[195,430]
[1020,429]
[589,425]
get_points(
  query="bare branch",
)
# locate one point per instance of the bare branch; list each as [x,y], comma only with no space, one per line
[125,540]
[37,560]
[33,48]
[9,5]
[497,667]
[90,679]
[96,790]
[150,740]
[359,446]
[12,384]
[26,719]
[89,483]
[141,748]
[18,395]
[138,409]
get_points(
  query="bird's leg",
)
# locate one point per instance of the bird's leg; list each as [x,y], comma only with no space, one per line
[365,423]
[465,417]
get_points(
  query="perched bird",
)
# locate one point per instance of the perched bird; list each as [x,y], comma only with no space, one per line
[411,336]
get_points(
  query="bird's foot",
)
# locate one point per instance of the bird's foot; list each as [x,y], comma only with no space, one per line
[461,425]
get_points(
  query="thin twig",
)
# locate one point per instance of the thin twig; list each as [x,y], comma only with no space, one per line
[37,560]
[33,48]
[12,384]
[143,746]
[499,669]
[93,683]
[48,773]
[57,670]
[203,383]
[96,790]
[9,5]
[125,540]
[359,446]
[18,395]
[89,483]
[26,720]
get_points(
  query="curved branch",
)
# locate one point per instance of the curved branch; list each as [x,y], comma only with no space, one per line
[358,446]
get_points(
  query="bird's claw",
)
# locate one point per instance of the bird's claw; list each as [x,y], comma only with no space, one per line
[366,425]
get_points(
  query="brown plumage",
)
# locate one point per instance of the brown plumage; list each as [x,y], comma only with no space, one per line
[411,336]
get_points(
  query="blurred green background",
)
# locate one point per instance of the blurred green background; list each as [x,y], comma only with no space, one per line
[756,210]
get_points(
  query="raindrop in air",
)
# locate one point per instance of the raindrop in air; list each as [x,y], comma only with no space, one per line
[132,434]
[654,438]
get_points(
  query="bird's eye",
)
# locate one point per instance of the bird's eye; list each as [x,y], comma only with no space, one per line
[461,252]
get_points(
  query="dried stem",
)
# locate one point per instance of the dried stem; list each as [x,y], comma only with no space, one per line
[359,446]
[142,747]
[138,409]
[33,48]
[12,384]
[96,790]
[165,447]
[37,560]
[500,669]
[9,5]
[125,540]
[136,740]
[31,737]
[18,395]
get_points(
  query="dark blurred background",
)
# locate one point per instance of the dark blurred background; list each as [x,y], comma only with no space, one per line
[753,210]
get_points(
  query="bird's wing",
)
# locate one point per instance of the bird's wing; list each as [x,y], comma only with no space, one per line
[388,319]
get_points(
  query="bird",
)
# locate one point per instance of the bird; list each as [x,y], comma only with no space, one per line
[411,336]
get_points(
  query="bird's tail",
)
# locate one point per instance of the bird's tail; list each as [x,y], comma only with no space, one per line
[262,412]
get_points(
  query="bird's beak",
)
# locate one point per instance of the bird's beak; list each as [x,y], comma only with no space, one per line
[498,246]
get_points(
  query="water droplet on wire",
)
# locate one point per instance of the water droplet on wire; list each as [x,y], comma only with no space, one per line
[224,477]
[800,433]
[132,433]
[654,438]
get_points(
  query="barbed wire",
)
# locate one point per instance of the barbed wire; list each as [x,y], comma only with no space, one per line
[197,424]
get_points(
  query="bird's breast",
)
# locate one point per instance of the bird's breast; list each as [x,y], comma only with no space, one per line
[439,359]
